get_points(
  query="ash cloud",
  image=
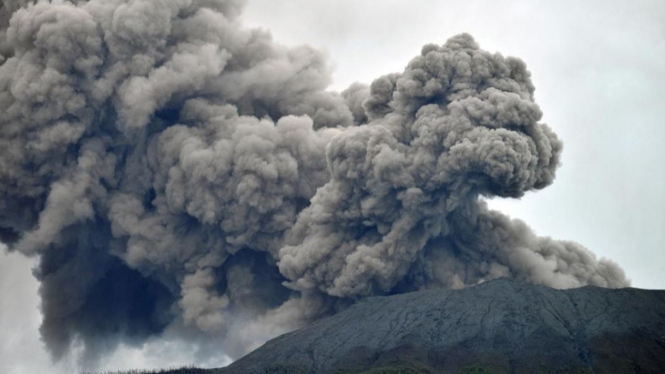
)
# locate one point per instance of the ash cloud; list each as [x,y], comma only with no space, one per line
[175,171]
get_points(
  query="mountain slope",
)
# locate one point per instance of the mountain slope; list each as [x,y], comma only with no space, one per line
[502,326]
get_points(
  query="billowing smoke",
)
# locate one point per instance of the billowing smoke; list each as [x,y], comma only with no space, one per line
[175,171]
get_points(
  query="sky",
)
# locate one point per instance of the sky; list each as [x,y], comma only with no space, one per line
[600,82]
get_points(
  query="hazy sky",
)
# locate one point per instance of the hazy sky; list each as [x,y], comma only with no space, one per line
[600,81]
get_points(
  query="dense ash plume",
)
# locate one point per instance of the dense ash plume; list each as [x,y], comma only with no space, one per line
[174,170]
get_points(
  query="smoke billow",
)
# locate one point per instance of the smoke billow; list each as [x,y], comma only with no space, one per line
[175,171]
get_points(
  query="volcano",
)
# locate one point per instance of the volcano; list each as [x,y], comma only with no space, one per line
[501,326]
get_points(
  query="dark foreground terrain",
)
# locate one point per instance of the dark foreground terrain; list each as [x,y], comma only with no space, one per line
[502,326]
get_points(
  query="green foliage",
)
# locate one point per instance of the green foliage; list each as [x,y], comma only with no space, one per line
[480,369]
[182,370]
[584,371]
[400,368]
[283,369]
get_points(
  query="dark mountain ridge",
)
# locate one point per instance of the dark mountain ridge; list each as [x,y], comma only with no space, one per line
[501,326]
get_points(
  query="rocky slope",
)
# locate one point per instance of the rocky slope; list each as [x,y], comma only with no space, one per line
[502,326]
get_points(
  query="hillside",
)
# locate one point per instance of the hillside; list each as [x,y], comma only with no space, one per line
[502,326]
[498,327]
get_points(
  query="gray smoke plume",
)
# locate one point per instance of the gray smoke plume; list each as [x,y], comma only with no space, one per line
[175,171]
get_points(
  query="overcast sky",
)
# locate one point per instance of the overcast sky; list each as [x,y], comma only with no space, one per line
[600,81]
